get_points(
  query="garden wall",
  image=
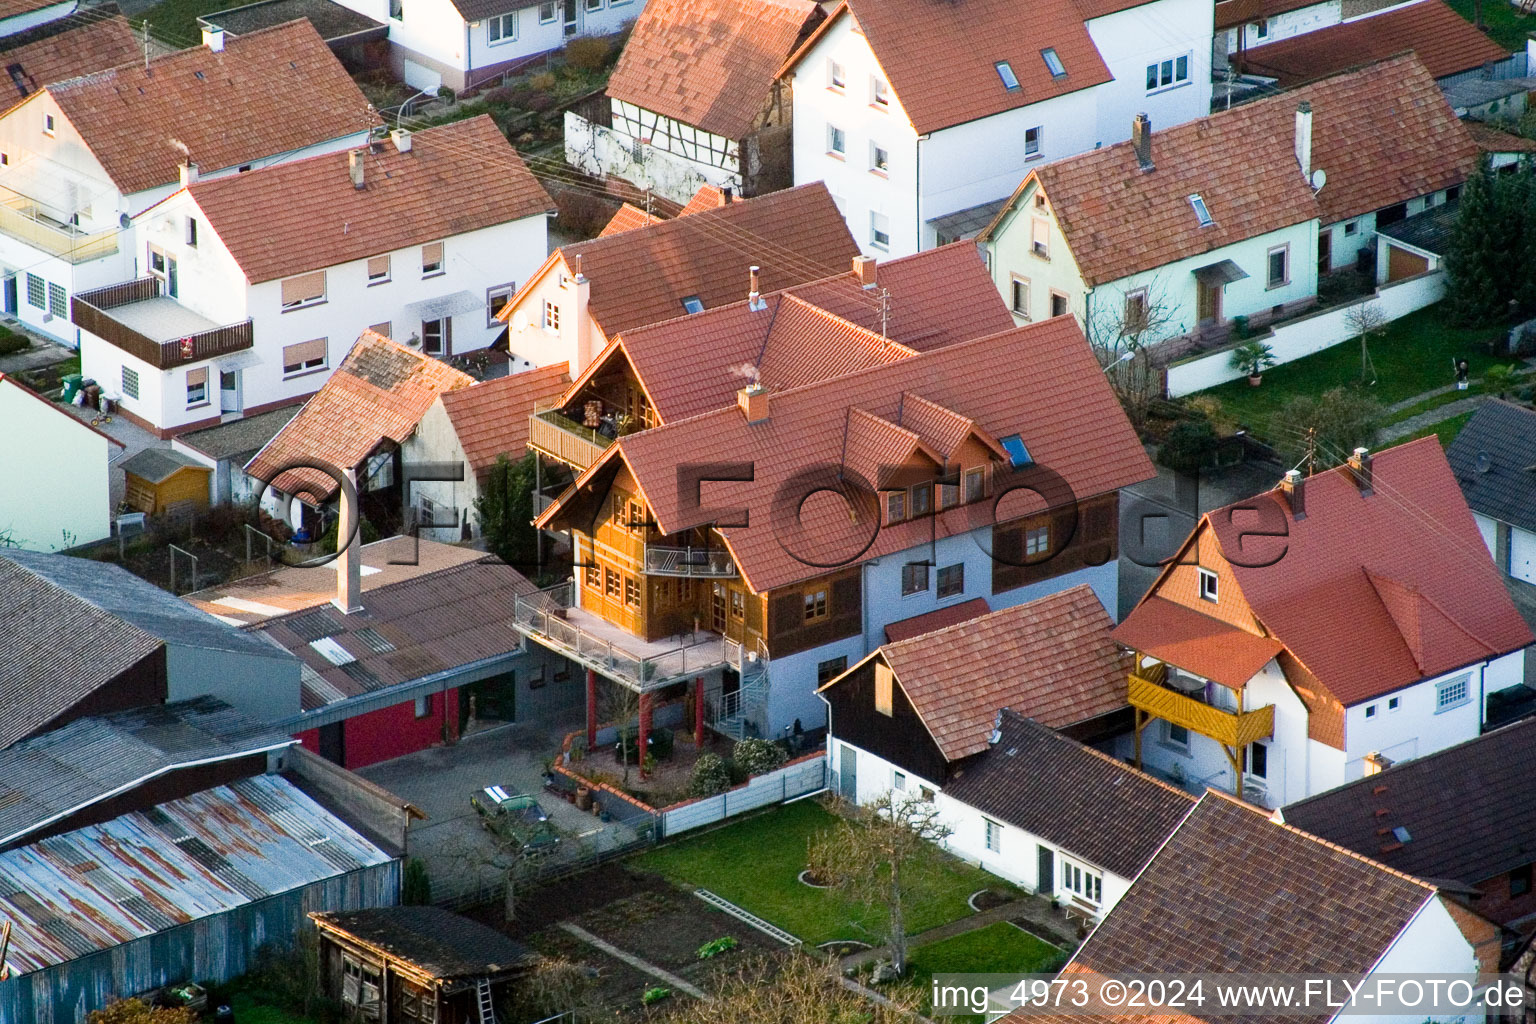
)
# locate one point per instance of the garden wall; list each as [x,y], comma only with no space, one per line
[1307,334]
[797,778]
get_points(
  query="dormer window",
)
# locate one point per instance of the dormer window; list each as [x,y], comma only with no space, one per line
[1201,211]
[1005,72]
[1053,63]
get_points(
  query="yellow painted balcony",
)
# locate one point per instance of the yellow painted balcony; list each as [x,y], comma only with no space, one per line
[22,219]
[1227,727]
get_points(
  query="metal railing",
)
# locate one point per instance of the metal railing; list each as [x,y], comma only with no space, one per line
[561,437]
[661,560]
[21,219]
[90,311]
[544,616]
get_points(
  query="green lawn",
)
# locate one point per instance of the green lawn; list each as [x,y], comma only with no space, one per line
[1446,430]
[755,863]
[1411,356]
[175,21]
[1504,24]
[249,1011]
[996,949]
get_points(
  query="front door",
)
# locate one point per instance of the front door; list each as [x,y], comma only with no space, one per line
[570,17]
[333,745]
[848,774]
[10,295]
[1208,302]
[1045,875]
[229,391]
[717,609]
[1324,253]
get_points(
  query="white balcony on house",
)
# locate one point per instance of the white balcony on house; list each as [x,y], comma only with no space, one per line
[23,219]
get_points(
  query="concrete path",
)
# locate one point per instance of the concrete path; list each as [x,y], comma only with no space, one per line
[1430,417]
[1033,909]
[638,964]
[44,352]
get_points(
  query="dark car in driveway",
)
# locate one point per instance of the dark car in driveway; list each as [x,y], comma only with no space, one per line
[516,818]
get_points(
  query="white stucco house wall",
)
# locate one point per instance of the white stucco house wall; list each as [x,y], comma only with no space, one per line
[57,491]
[1491,457]
[78,161]
[1241,22]
[909,120]
[375,238]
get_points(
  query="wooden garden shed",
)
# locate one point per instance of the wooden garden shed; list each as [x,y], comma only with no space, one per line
[160,481]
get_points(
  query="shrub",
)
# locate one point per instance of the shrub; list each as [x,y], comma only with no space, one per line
[538,102]
[10,341]
[756,756]
[1189,447]
[589,53]
[715,947]
[136,1011]
[662,743]
[655,995]
[1342,419]
[711,775]
[415,884]
[544,81]
[366,534]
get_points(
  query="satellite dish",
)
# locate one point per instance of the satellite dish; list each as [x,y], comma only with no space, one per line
[1319,179]
[520,321]
[1484,462]
[124,221]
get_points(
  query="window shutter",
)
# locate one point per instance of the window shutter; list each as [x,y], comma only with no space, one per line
[303,352]
[787,612]
[845,596]
[884,680]
[304,288]
[431,255]
[197,376]
[378,266]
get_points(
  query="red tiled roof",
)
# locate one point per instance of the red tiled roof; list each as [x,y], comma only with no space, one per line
[1491,140]
[710,63]
[378,393]
[1443,40]
[1374,593]
[15,8]
[1052,394]
[1231,13]
[628,218]
[941,58]
[306,214]
[1205,646]
[706,198]
[917,625]
[1051,659]
[221,109]
[641,276]
[1119,220]
[66,49]
[491,418]
[1232,890]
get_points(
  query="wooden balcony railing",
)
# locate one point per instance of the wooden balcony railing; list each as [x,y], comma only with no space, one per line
[91,311]
[1235,730]
[561,437]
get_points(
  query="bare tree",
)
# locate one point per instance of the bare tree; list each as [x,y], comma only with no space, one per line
[621,706]
[1122,327]
[1366,319]
[866,855]
[795,989]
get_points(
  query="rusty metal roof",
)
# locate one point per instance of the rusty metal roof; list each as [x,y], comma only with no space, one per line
[141,873]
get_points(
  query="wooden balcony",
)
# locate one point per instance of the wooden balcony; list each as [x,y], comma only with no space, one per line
[1232,729]
[176,336]
[661,560]
[562,438]
[22,219]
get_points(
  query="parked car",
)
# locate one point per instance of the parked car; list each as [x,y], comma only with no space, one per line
[515,817]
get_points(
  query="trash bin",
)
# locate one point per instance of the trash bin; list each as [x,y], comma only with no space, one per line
[71,386]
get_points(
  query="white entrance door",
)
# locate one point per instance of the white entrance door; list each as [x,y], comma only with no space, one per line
[229,391]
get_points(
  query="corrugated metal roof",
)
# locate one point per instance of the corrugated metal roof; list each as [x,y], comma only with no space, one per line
[107,884]
[92,758]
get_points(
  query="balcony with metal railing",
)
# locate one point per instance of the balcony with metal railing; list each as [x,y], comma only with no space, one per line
[550,618]
[1148,692]
[137,318]
[661,560]
[558,436]
[23,219]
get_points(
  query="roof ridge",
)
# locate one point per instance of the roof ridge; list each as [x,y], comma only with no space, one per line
[1059,595]
[1129,768]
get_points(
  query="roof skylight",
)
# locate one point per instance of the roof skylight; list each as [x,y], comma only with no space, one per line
[1053,63]
[1005,72]
[1201,211]
[693,304]
[1018,454]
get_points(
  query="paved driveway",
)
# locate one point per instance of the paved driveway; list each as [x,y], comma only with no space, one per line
[458,852]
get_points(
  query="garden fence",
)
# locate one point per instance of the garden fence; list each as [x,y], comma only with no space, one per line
[793,780]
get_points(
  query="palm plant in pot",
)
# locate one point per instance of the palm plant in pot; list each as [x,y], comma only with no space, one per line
[1253,358]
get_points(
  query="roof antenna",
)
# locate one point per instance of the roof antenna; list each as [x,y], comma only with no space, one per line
[885,312]
[146,45]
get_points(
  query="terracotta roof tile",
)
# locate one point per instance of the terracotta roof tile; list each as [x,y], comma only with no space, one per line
[1053,395]
[628,218]
[15,8]
[378,393]
[491,418]
[1374,593]
[1230,13]
[306,215]
[706,198]
[1051,659]
[1491,140]
[1205,646]
[1119,220]
[710,63]
[226,108]
[1089,804]
[1443,40]
[950,615]
[1233,891]
[941,58]
[67,49]
[642,276]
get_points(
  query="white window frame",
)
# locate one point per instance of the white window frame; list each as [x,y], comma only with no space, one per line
[1032,137]
[552,15]
[837,76]
[1164,74]
[1284,252]
[1083,882]
[876,231]
[879,159]
[496,29]
[837,142]
[1040,238]
[1394,703]
[898,780]
[505,291]
[48,124]
[1210,585]
[992,835]
[551,321]
[1453,693]
[1018,295]
[1037,540]
[1370,711]
[440,266]
[879,93]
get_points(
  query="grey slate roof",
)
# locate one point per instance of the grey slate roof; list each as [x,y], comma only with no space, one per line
[1470,810]
[90,759]
[1429,230]
[439,941]
[1090,804]
[156,464]
[1503,486]
[70,625]
[239,439]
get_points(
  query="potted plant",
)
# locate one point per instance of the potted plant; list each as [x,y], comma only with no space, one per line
[1253,358]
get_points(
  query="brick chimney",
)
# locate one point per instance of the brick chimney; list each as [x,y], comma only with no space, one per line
[349,562]
[752,400]
[755,299]
[355,167]
[1141,139]
[725,196]
[1294,487]
[864,270]
[1304,138]
[1360,469]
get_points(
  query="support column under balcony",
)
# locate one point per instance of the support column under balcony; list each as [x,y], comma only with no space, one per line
[591,709]
[643,735]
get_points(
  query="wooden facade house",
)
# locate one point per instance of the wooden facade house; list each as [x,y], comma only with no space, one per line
[416,965]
